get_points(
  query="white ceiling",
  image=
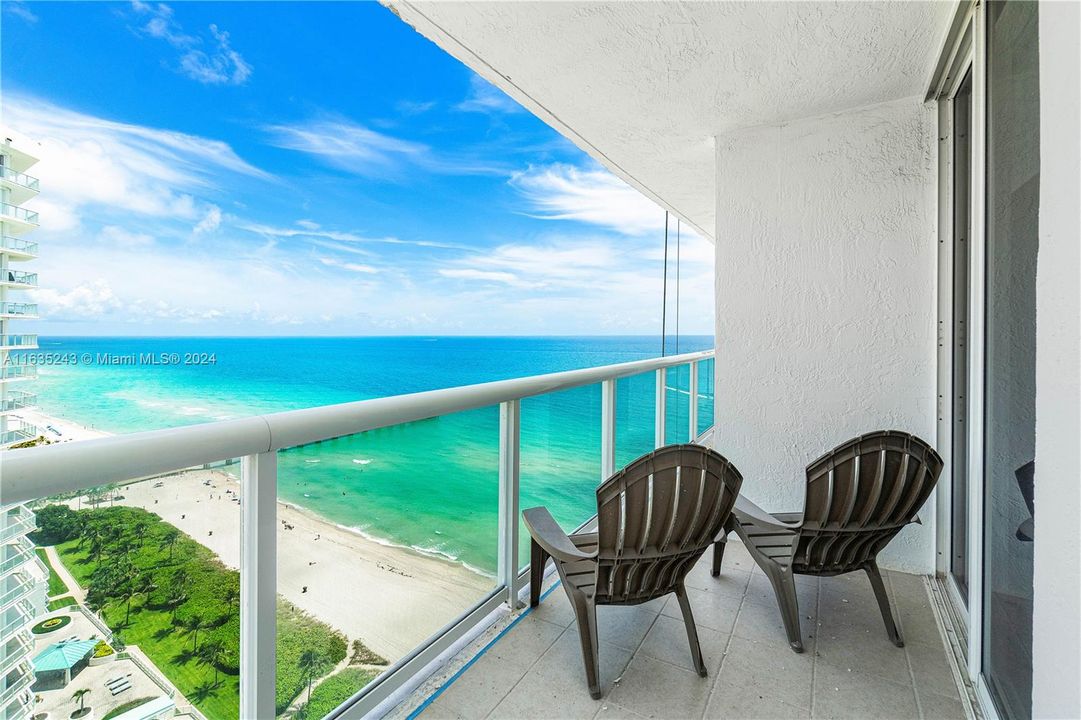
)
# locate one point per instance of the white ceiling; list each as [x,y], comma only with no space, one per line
[644,86]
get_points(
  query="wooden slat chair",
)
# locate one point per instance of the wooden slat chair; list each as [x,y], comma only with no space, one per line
[859,496]
[655,519]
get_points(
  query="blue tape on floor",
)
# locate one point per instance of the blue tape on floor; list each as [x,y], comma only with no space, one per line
[450,681]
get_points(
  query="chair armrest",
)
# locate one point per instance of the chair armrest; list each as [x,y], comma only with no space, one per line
[746,511]
[546,532]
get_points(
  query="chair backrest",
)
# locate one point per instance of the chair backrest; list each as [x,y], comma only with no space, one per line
[656,517]
[859,496]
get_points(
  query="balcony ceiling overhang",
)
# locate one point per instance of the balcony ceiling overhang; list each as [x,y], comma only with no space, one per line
[644,87]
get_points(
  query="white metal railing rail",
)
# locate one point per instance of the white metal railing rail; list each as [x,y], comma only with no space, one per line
[17,371]
[17,400]
[18,308]
[18,277]
[33,473]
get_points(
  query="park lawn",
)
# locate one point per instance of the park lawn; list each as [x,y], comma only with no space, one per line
[61,602]
[336,689]
[56,585]
[171,647]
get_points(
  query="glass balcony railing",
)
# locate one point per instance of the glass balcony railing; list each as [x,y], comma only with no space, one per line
[22,586]
[25,612]
[18,277]
[19,245]
[19,178]
[18,372]
[17,213]
[477,453]
[17,400]
[10,341]
[19,679]
[16,553]
[18,308]
[16,653]
[16,523]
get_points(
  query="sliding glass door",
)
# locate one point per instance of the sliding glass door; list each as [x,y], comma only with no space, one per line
[1009,437]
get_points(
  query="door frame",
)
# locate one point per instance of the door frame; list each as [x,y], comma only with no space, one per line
[964,50]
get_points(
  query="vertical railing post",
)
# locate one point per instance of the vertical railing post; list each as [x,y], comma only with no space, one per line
[662,395]
[692,435]
[509,468]
[258,584]
[608,429]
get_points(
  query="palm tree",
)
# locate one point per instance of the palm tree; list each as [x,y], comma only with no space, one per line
[169,539]
[178,591]
[194,624]
[310,661]
[79,696]
[211,654]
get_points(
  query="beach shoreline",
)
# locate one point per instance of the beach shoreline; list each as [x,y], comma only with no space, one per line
[390,597]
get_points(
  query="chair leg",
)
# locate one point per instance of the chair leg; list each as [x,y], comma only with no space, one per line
[718,556]
[692,631]
[784,586]
[537,560]
[585,611]
[875,577]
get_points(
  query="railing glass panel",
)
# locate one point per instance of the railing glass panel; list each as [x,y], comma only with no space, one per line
[19,178]
[20,277]
[677,404]
[385,536]
[16,340]
[705,396]
[14,211]
[636,402]
[15,244]
[18,308]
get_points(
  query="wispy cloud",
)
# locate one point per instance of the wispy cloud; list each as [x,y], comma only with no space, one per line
[350,266]
[483,97]
[488,276]
[306,228]
[87,160]
[355,148]
[348,145]
[412,107]
[210,60]
[565,192]
[19,10]
[210,222]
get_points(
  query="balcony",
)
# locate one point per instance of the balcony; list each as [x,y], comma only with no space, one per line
[18,278]
[28,311]
[17,220]
[21,187]
[850,668]
[14,372]
[533,666]
[18,342]
[17,400]
[16,553]
[17,681]
[16,521]
[18,248]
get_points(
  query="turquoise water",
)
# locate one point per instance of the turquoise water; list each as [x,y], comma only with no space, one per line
[430,485]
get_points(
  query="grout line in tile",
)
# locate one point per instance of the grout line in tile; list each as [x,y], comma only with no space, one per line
[724,654]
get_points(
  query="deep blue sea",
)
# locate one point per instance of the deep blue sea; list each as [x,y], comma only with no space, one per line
[429,485]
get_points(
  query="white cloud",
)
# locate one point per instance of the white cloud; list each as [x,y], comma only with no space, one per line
[348,145]
[125,238]
[484,97]
[565,192]
[492,276]
[91,161]
[352,267]
[220,64]
[210,222]
[20,10]
[86,300]
[311,230]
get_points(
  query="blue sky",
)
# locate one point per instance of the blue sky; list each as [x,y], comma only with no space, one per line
[312,168]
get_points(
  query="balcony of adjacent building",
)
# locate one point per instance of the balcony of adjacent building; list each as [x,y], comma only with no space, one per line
[20,186]
[15,692]
[17,220]
[16,400]
[15,521]
[12,278]
[21,310]
[18,431]
[19,342]
[17,248]
[12,372]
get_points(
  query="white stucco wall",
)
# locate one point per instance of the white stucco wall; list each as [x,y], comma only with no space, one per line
[1056,646]
[826,267]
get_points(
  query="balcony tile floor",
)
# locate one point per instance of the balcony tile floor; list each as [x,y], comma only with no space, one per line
[849,669]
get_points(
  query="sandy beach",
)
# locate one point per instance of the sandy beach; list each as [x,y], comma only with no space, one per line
[389,597]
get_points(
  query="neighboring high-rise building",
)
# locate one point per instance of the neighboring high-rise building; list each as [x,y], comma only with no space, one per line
[22,576]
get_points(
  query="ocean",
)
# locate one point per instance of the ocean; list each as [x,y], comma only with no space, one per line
[430,485]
